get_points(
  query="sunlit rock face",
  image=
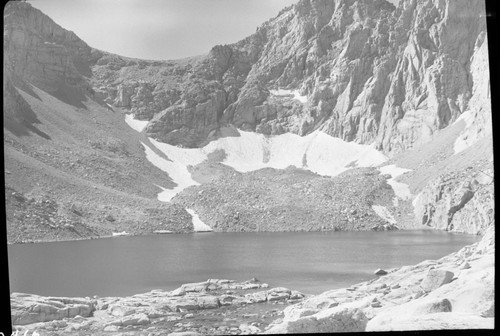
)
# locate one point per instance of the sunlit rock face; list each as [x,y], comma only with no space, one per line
[43,53]
[363,71]
[367,71]
[371,72]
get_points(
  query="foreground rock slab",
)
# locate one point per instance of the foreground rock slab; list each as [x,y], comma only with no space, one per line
[215,306]
[29,308]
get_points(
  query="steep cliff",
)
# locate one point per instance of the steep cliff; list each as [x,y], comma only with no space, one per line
[40,52]
[363,71]
[366,71]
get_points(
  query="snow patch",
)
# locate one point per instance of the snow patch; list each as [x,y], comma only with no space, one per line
[384,213]
[198,224]
[123,233]
[137,125]
[467,117]
[177,171]
[416,200]
[462,142]
[294,93]
[317,152]
[162,231]
[401,190]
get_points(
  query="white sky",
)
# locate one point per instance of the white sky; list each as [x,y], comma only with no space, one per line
[160,29]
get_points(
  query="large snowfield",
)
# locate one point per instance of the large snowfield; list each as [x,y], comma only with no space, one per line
[317,152]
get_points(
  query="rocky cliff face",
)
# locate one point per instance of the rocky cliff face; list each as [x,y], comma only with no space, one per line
[40,52]
[467,206]
[371,72]
[367,71]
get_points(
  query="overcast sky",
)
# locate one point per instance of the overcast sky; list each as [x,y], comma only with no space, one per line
[160,29]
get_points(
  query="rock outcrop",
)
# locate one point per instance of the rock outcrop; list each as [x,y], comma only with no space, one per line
[28,309]
[462,201]
[40,52]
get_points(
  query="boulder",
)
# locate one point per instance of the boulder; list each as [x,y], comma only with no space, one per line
[435,306]
[135,319]
[195,287]
[208,302]
[30,308]
[183,303]
[280,290]
[296,295]
[249,329]
[111,328]
[278,294]
[337,319]
[178,292]
[380,272]
[256,297]
[435,278]
[250,286]
[120,310]
[465,265]
[226,300]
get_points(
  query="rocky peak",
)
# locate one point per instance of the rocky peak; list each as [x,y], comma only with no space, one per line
[39,51]
[361,70]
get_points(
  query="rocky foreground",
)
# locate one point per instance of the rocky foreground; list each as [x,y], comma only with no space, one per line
[454,292]
[211,307]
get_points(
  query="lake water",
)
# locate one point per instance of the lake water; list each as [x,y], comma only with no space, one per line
[311,262]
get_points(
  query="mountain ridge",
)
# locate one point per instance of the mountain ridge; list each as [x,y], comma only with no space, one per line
[301,49]
[399,78]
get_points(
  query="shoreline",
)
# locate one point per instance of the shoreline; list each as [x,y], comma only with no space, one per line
[202,232]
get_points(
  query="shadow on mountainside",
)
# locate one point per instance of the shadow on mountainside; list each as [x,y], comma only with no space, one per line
[69,95]
[18,116]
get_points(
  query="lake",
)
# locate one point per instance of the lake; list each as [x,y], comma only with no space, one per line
[311,262]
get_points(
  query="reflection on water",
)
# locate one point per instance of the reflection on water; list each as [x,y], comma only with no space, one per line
[311,262]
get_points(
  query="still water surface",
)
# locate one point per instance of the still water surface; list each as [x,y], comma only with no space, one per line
[311,262]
